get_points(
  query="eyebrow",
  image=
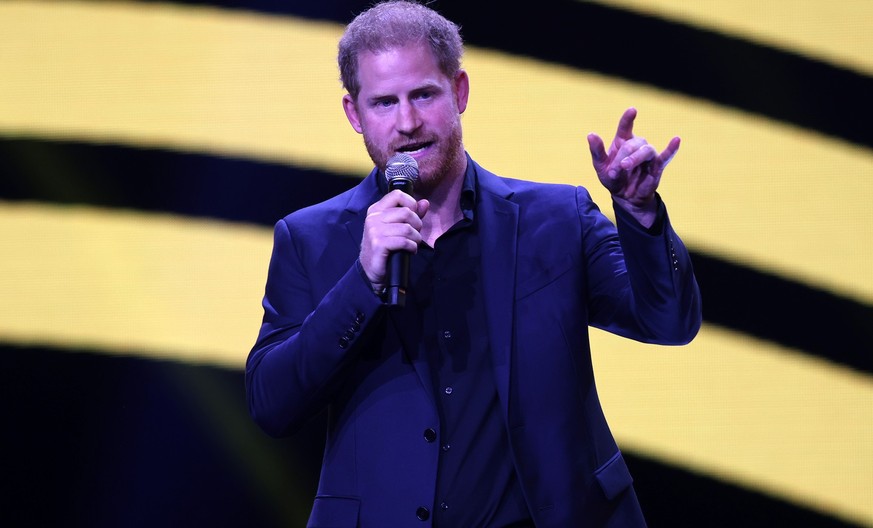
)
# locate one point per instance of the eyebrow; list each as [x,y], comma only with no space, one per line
[428,86]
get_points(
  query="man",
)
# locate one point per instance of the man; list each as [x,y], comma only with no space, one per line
[474,404]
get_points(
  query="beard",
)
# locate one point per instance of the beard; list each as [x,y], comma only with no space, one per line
[446,159]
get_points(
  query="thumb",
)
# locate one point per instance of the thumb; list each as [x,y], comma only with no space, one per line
[598,152]
[422,207]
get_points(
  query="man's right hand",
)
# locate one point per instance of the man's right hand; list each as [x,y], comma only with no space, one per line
[392,224]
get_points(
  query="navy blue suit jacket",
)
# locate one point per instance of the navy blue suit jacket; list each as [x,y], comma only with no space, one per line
[553,264]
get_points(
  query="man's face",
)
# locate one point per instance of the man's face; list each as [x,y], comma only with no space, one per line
[406,104]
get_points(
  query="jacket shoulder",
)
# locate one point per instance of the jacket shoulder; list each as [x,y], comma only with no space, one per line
[531,192]
[353,200]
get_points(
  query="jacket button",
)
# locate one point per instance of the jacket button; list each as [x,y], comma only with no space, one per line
[430,435]
[422,513]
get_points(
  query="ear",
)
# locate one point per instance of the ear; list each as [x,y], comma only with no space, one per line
[462,90]
[351,110]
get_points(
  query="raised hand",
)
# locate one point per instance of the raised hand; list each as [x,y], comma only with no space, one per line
[631,169]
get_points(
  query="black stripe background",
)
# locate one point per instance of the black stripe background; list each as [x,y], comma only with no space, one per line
[674,56]
[737,297]
[97,440]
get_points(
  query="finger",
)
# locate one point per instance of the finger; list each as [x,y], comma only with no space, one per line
[379,241]
[395,198]
[672,148]
[639,156]
[381,238]
[666,156]
[627,148]
[396,215]
[598,152]
[626,124]
[400,236]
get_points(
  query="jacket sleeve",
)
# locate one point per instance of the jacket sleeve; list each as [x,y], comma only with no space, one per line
[642,284]
[307,339]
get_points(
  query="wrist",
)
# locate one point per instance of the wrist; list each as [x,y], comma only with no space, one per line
[644,212]
[377,288]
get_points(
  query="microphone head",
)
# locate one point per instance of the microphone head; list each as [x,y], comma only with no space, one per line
[401,168]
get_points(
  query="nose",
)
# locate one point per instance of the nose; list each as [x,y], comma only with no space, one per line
[407,118]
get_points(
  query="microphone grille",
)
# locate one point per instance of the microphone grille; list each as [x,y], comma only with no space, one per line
[401,167]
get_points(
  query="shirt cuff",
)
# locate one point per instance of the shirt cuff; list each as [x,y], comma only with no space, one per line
[657,227]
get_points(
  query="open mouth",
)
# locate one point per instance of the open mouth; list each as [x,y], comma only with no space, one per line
[414,148]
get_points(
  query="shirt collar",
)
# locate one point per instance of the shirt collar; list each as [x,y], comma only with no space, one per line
[468,191]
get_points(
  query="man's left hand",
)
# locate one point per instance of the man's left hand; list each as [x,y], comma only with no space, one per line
[631,169]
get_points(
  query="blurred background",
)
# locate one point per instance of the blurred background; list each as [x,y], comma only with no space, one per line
[147,148]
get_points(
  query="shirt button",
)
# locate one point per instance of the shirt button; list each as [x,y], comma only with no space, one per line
[422,513]
[430,435]
[447,334]
[446,447]
[449,390]
[444,505]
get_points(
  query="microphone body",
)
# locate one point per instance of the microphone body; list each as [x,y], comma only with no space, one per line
[401,173]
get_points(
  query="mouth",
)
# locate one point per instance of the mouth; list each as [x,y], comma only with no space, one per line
[415,148]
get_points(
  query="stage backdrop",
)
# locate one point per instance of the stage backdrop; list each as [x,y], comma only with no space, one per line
[146,149]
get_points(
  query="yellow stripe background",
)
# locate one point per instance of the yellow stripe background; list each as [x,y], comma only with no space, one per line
[266,88]
[156,285]
[837,32]
[746,411]
[742,187]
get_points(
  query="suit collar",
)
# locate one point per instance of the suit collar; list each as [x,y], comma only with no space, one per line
[499,234]
[364,194]
[360,197]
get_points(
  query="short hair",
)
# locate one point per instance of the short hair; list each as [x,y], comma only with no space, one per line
[393,24]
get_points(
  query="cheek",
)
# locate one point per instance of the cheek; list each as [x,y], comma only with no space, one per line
[446,119]
[375,128]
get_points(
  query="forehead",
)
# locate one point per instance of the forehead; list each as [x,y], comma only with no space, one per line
[398,68]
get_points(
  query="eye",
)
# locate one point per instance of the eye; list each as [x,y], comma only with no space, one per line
[383,102]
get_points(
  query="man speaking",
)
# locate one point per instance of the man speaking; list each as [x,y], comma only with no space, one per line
[472,402]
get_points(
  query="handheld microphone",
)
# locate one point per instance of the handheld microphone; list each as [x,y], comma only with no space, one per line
[401,173]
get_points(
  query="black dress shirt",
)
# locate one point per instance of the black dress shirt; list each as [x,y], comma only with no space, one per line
[477,483]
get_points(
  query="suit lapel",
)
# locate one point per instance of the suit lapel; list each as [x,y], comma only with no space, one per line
[364,195]
[499,235]
[361,198]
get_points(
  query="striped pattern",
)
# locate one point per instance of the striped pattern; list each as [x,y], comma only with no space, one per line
[146,149]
